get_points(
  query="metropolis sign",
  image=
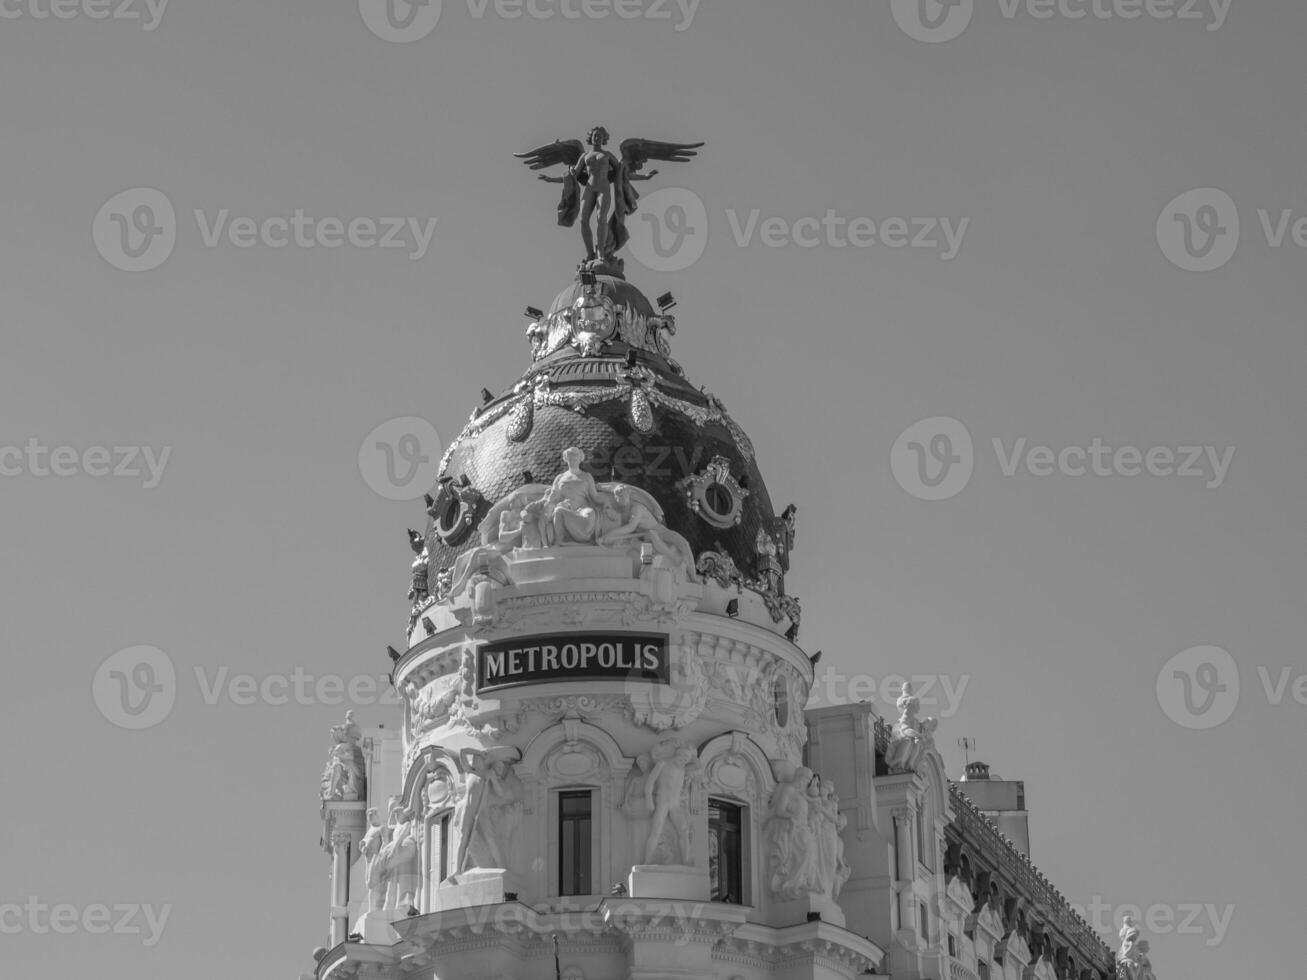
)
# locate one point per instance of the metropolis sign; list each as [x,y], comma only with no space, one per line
[573,656]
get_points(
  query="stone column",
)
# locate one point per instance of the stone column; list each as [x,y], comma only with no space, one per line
[906,866]
[340,842]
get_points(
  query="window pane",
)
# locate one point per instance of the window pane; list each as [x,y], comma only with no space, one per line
[574,843]
[725,852]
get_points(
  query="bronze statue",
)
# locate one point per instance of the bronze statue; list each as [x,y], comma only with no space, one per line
[596,180]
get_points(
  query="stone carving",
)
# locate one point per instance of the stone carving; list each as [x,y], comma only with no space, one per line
[664,797]
[791,844]
[573,510]
[1132,961]
[418,591]
[375,876]
[490,812]
[400,859]
[344,778]
[832,870]
[715,494]
[432,707]
[598,185]
[912,737]
[719,567]
[803,828]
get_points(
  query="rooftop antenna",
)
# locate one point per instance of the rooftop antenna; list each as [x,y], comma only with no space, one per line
[968,745]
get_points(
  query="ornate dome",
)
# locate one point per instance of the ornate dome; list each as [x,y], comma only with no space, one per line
[603,380]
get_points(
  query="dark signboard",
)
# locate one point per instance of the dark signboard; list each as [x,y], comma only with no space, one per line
[573,656]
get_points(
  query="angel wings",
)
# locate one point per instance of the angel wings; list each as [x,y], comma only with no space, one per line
[597,180]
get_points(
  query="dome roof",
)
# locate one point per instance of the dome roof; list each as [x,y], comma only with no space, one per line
[603,380]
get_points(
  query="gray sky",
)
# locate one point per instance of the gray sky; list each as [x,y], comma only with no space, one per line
[1061,318]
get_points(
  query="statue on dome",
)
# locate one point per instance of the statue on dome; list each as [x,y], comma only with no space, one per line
[598,185]
[572,510]
[639,524]
[344,779]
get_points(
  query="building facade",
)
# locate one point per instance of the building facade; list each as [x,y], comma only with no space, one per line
[603,766]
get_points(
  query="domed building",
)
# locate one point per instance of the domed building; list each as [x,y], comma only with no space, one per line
[603,767]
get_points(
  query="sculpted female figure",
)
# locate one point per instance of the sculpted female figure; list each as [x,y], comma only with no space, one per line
[573,502]
[793,845]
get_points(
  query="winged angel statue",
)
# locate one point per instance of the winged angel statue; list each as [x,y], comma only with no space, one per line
[597,181]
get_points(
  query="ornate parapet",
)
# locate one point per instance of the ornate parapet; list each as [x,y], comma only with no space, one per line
[1035,897]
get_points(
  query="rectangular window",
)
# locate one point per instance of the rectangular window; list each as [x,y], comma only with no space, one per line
[983,969]
[726,852]
[443,827]
[925,921]
[574,822]
[952,945]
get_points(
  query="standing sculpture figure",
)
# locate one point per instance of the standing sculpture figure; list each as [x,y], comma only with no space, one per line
[402,857]
[375,876]
[792,848]
[663,789]
[598,184]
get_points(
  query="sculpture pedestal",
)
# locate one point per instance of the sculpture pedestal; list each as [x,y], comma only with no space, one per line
[668,881]
[479,886]
[375,928]
[570,562]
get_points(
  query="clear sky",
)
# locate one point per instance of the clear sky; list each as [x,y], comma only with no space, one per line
[1062,318]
